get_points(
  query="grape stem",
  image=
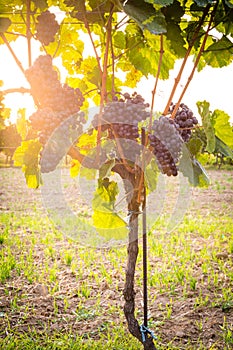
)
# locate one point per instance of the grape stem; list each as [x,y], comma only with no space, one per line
[103,95]
[90,36]
[195,63]
[19,64]
[192,42]
[20,90]
[156,81]
[28,33]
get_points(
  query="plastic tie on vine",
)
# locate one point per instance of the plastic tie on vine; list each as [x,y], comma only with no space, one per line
[129,215]
[144,330]
[134,212]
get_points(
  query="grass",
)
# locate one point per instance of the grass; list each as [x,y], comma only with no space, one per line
[56,294]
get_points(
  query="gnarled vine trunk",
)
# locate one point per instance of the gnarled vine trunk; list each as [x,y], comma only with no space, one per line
[129,292]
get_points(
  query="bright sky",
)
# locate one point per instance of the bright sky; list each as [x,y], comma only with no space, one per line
[212,85]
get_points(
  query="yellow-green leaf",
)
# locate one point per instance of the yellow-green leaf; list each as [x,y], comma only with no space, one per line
[223,128]
[110,225]
[75,168]
[203,109]
[21,123]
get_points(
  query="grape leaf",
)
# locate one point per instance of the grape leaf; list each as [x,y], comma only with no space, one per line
[173,12]
[194,145]
[193,170]
[203,109]
[151,176]
[106,168]
[146,16]
[229,3]
[220,53]
[222,126]
[222,148]
[107,222]
[105,195]
[177,42]
[110,225]
[119,40]
[160,2]
[21,123]
[26,156]
[41,4]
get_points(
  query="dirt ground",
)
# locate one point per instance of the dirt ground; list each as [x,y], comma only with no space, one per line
[26,304]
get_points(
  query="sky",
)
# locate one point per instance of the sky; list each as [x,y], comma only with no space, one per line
[211,84]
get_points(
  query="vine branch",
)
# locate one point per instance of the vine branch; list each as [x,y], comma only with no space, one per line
[156,81]
[191,44]
[195,63]
[19,64]
[20,90]
[28,32]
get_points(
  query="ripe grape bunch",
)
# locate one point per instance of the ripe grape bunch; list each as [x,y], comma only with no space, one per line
[166,144]
[185,120]
[49,92]
[58,107]
[120,118]
[46,27]
[122,115]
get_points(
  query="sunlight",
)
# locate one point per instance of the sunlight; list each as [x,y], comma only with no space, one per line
[13,78]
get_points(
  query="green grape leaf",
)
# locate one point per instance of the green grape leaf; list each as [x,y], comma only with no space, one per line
[140,62]
[105,170]
[110,225]
[223,128]
[119,40]
[132,78]
[151,176]
[194,145]
[193,170]
[4,24]
[220,53]
[41,4]
[89,16]
[173,12]
[33,177]
[146,16]
[203,109]
[26,156]
[105,195]
[160,2]
[21,123]
[222,148]
[177,42]
[107,222]
[86,143]
[229,3]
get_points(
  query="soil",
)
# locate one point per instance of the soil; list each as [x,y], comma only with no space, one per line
[27,305]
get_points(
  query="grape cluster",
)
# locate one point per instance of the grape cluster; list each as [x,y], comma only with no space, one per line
[185,120]
[48,90]
[46,27]
[63,137]
[122,115]
[166,144]
[58,107]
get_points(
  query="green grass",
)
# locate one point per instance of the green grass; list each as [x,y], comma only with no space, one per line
[56,294]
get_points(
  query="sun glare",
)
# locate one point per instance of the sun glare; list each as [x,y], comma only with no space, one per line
[14,79]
